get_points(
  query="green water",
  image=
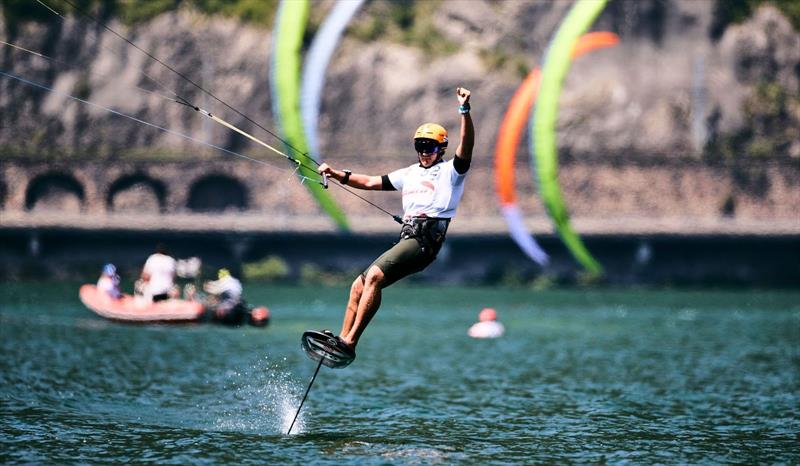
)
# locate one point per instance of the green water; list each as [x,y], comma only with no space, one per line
[621,377]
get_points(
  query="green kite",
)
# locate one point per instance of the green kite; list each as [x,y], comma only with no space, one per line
[290,25]
[543,144]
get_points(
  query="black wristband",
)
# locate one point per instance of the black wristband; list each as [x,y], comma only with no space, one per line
[346,178]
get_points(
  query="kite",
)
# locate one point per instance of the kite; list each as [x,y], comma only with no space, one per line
[290,22]
[543,144]
[316,62]
[508,138]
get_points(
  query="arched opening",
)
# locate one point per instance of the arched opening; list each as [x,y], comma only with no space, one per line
[136,193]
[217,193]
[54,191]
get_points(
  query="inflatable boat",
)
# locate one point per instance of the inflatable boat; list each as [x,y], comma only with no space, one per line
[137,310]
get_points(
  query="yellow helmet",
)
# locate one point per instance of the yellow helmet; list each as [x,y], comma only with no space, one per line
[432,131]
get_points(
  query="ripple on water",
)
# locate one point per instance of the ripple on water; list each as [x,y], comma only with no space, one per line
[601,377]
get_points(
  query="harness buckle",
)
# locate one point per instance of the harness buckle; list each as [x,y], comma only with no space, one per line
[429,231]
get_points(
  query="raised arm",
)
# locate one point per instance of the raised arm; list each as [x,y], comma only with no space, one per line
[356,180]
[464,150]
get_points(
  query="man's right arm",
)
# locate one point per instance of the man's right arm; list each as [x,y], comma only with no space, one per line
[355,180]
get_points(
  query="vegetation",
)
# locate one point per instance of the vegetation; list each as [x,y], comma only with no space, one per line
[774,114]
[405,21]
[273,268]
[497,59]
[312,274]
[727,12]
[133,12]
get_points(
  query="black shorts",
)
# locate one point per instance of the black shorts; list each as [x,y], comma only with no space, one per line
[403,259]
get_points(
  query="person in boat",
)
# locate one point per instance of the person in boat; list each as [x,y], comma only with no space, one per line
[188,272]
[431,190]
[109,281]
[487,325]
[157,280]
[225,298]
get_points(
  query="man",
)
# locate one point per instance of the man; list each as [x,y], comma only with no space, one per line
[431,190]
[225,298]
[158,275]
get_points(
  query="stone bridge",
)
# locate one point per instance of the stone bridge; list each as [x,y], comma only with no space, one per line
[203,193]
[228,194]
[97,188]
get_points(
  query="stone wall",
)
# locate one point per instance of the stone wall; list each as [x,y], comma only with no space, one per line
[669,197]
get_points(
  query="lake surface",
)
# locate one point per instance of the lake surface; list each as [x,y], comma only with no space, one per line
[601,376]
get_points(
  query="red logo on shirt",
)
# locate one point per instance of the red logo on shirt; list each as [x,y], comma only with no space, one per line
[424,188]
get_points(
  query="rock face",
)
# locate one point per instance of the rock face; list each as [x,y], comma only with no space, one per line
[653,94]
[763,51]
[669,91]
[93,64]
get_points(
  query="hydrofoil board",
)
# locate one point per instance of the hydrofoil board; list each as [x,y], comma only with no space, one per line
[328,348]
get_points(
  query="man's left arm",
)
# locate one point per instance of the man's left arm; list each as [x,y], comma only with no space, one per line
[464,149]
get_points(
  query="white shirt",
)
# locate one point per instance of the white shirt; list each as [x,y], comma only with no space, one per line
[161,269]
[488,329]
[228,285]
[431,192]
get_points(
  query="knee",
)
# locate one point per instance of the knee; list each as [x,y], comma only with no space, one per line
[374,277]
[358,286]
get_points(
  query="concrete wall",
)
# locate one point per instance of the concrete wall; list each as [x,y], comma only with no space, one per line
[658,260]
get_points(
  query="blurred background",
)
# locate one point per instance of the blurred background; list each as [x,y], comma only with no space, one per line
[679,154]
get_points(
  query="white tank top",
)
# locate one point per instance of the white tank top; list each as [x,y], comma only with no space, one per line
[431,192]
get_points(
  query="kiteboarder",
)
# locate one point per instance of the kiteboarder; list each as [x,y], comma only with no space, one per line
[431,190]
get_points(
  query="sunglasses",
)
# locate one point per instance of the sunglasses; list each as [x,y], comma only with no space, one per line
[426,146]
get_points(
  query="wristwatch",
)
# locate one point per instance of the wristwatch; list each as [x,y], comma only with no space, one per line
[346,178]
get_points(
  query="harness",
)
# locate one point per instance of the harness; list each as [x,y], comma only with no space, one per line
[428,231]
